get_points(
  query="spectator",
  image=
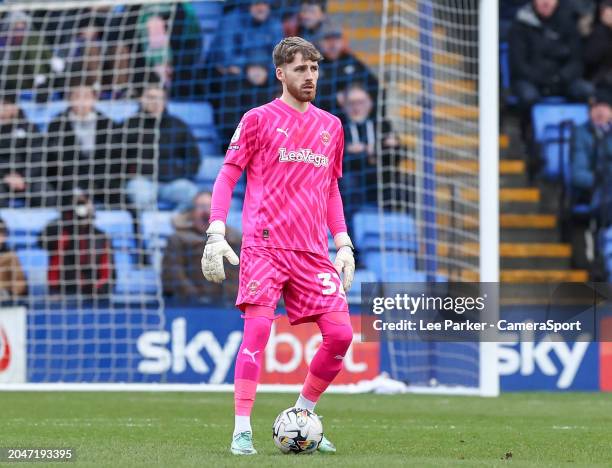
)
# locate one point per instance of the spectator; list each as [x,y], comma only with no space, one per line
[311,19]
[171,48]
[545,54]
[182,275]
[361,161]
[20,158]
[80,255]
[592,155]
[339,69]
[25,60]
[83,150]
[153,136]
[241,94]
[12,280]
[598,48]
[244,38]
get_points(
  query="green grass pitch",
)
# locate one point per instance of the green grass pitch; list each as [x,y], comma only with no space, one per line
[193,429]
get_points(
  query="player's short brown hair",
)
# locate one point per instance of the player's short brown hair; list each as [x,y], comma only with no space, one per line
[285,51]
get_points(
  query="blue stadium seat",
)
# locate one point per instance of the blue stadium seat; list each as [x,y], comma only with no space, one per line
[42,114]
[199,117]
[555,149]
[396,264]
[25,225]
[35,263]
[544,114]
[208,149]
[156,228]
[209,14]
[234,217]
[118,225]
[117,111]
[399,231]
[405,276]
[136,285]
[209,168]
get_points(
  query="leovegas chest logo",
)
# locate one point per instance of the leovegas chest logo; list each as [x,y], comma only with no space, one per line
[303,155]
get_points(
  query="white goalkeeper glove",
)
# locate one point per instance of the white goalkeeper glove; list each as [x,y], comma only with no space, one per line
[344,261]
[215,250]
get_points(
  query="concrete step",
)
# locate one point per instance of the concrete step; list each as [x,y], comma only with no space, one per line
[440,87]
[407,59]
[543,276]
[523,276]
[465,167]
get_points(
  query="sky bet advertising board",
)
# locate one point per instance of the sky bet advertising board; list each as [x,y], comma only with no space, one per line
[199,345]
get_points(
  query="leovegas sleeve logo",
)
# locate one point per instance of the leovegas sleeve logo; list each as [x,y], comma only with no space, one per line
[5,350]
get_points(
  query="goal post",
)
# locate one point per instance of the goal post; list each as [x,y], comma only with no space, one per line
[439,66]
[416,86]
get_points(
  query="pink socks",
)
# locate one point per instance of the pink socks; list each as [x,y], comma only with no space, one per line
[257,325]
[337,336]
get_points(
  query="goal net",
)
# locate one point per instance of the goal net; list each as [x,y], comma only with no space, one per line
[82,165]
[115,114]
[429,172]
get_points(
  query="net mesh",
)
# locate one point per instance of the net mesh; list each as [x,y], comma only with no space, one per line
[115,115]
[427,189]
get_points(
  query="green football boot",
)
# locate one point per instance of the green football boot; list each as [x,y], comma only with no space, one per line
[326,446]
[242,444]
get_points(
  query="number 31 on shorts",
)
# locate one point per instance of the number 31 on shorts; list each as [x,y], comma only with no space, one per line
[329,286]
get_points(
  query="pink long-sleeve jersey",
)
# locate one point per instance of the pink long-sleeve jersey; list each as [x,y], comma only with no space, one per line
[292,159]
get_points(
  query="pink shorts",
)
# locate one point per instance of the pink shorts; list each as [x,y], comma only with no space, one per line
[309,282]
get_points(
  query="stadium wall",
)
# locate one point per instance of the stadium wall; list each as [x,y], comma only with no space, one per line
[198,345]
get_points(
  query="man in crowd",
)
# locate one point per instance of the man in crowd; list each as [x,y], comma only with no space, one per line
[154,136]
[598,48]
[545,54]
[83,149]
[181,275]
[339,69]
[243,37]
[21,176]
[80,255]
[592,156]
[361,160]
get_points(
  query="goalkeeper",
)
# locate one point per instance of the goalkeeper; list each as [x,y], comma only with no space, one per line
[292,153]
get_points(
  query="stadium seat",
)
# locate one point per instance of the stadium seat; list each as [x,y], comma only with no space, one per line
[35,263]
[392,267]
[118,225]
[399,231]
[136,285]
[234,218]
[555,149]
[208,14]
[544,114]
[156,228]
[209,168]
[118,111]
[199,117]
[42,114]
[25,225]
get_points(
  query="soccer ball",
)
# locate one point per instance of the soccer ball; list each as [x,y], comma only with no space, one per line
[297,431]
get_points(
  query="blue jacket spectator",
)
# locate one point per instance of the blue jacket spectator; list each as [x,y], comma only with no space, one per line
[592,152]
[545,54]
[244,37]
